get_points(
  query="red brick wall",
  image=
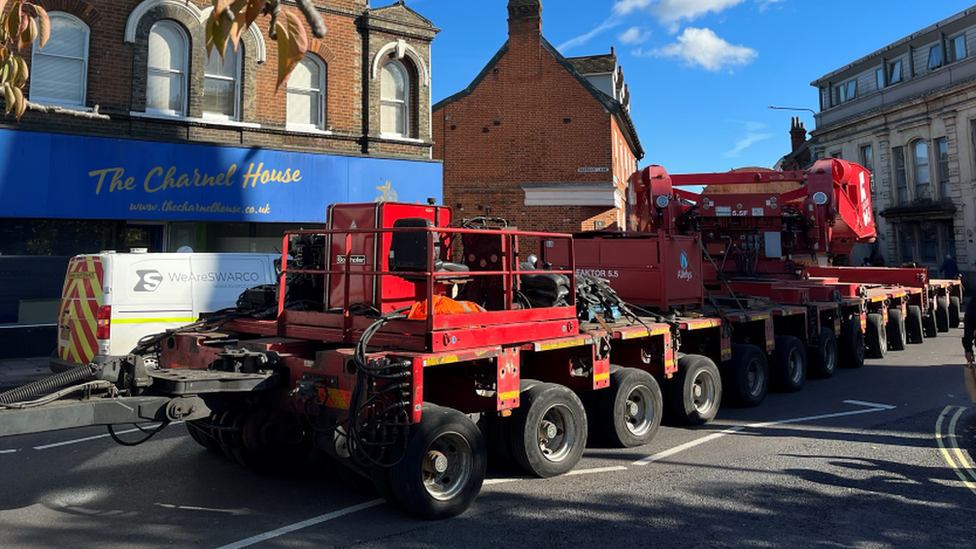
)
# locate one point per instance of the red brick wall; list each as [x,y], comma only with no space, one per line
[513,129]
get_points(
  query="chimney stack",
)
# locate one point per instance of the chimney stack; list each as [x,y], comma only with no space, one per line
[798,134]
[524,19]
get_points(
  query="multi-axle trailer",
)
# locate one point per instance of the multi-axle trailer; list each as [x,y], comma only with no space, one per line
[408,346]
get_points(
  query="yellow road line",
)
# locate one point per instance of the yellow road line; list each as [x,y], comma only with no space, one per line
[954,443]
[963,467]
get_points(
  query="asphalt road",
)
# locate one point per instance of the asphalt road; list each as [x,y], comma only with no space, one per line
[864,460]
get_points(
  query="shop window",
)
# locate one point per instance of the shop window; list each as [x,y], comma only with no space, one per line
[59,72]
[221,89]
[394,100]
[923,187]
[306,94]
[166,80]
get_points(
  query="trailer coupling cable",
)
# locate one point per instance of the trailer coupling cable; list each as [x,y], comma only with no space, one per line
[89,386]
[84,372]
[150,433]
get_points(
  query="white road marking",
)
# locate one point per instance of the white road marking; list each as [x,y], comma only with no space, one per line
[15,450]
[235,512]
[96,437]
[493,481]
[670,452]
[597,470]
[300,525]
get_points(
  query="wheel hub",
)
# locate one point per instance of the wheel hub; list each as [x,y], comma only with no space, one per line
[435,462]
[632,408]
[549,430]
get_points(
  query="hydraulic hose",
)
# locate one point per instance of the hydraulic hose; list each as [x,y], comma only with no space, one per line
[84,372]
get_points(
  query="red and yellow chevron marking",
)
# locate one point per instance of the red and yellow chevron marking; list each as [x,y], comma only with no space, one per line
[81,297]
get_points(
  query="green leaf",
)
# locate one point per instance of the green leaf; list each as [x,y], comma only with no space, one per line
[22,71]
[8,97]
[20,102]
[13,20]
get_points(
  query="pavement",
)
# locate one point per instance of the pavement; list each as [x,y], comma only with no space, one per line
[15,372]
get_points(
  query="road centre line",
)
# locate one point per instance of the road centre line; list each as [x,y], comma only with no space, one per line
[15,450]
[303,524]
[963,466]
[87,439]
[677,449]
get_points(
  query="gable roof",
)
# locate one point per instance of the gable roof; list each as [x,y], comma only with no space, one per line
[609,103]
[401,13]
[595,64]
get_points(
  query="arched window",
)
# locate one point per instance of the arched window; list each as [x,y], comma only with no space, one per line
[306,94]
[59,72]
[923,188]
[394,100]
[221,92]
[166,81]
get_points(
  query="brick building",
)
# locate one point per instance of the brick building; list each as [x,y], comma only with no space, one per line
[544,141]
[195,152]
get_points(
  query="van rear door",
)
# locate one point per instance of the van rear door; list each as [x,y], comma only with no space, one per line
[81,297]
[151,295]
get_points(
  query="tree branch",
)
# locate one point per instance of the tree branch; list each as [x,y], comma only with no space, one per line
[52,109]
[313,17]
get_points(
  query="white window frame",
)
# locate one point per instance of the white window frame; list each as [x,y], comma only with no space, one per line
[404,104]
[84,65]
[916,166]
[237,85]
[184,74]
[320,104]
[845,91]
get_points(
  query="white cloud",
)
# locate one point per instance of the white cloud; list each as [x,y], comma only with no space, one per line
[672,11]
[763,4]
[623,7]
[634,35]
[584,38]
[749,140]
[704,48]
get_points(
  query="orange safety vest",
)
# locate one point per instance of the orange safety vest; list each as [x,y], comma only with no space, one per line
[443,306]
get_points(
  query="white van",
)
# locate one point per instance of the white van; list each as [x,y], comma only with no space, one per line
[111,300]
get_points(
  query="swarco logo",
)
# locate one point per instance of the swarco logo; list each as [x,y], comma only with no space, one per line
[684,273]
[148,281]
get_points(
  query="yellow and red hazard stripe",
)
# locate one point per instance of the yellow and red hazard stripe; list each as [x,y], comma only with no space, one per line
[81,297]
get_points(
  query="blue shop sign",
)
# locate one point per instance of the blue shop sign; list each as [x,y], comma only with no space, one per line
[75,177]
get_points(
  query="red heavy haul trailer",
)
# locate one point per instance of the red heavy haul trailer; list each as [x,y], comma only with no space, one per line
[379,351]
[761,243]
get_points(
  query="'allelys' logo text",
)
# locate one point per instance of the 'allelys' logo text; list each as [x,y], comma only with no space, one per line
[684,273]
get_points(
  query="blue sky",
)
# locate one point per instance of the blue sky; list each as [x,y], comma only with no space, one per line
[702,73]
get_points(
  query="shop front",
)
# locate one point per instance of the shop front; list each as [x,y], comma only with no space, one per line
[62,195]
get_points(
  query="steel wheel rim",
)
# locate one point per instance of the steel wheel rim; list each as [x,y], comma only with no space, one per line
[755,377]
[703,392]
[446,484]
[556,434]
[794,363]
[639,413]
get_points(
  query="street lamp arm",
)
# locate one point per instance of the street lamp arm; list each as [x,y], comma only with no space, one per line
[793,109]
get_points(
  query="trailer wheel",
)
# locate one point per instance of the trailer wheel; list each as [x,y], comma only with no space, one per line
[942,314]
[443,466]
[876,337]
[928,322]
[201,435]
[823,355]
[896,330]
[695,390]
[549,430]
[628,413]
[913,325]
[851,344]
[746,377]
[498,432]
[955,311]
[270,441]
[788,366]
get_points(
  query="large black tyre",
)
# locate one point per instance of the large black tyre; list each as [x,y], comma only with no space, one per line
[695,391]
[914,330]
[443,465]
[201,435]
[498,433]
[788,364]
[745,378]
[850,346]
[942,314]
[955,311]
[876,337]
[823,355]
[896,329]
[270,442]
[929,328]
[549,430]
[628,413]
